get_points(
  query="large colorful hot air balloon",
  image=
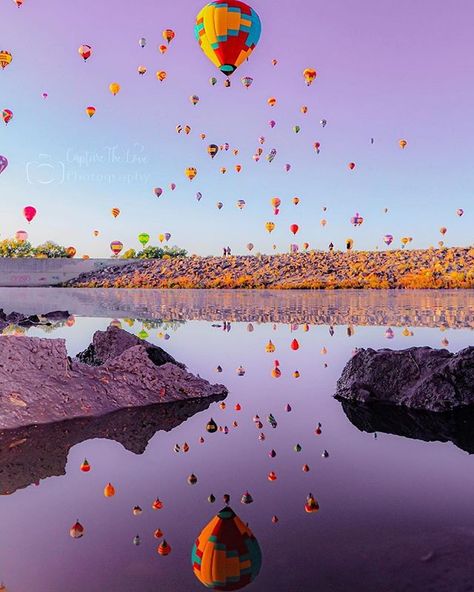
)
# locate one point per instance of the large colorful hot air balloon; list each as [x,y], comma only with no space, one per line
[85,51]
[29,212]
[227,32]
[226,554]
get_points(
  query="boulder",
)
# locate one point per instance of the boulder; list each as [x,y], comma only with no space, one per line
[418,378]
[39,383]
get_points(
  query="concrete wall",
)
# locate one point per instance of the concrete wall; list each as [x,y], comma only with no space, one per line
[31,272]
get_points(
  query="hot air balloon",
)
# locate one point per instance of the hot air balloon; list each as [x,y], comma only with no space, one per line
[162,49]
[250,246]
[349,243]
[18,3]
[226,554]
[161,75]
[296,200]
[164,548]
[141,70]
[388,239]
[305,246]
[116,247]
[241,204]
[311,504]
[212,150]
[85,466]
[7,115]
[172,186]
[187,129]
[29,212]
[115,212]
[212,81]
[246,81]
[109,489]
[168,35]
[275,201]
[272,123]
[309,75]
[90,111]
[287,167]
[223,170]
[219,205]
[142,42]
[323,122]
[70,252]
[114,88]
[294,228]
[85,51]
[3,163]
[21,236]
[77,530]
[199,196]
[357,219]
[443,230]
[323,222]
[143,238]
[227,32]
[190,173]
[96,233]
[351,166]
[194,99]
[296,129]
[270,226]
[402,143]
[272,101]
[157,191]
[238,168]
[459,212]
[317,146]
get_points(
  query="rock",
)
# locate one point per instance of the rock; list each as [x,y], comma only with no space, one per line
[109,344]
[39,383]
[454,426]
[418,378]
[29,454]
[57,315]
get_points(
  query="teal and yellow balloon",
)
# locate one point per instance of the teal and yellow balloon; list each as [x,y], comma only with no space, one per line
[227,32]
[226,555]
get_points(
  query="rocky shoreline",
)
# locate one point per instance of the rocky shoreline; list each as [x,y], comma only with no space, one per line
[40,383]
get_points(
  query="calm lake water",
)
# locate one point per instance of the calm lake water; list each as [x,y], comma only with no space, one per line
[396,512]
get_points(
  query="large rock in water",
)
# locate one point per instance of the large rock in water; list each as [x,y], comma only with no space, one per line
[418,377]
[39,383]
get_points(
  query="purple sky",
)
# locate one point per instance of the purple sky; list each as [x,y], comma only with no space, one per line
[386,70]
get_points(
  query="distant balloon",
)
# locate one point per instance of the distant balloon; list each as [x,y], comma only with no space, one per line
[194,99]
[142,42]
[212,150]
[85,51]
[309,75]
[272,101]
[168,35]
[246,81]
[351,166]
[304,109]
[143,238]
[29,212]
[270,226]
[141,70]
[388,239]
[402,143]
[459,212]
[272,123]
[77,530]
[70,252]
[199,196]
[114,88]
[323,122]
[115,212]
[294,228]
[172,186]
[443,230]
[21,236]
[240,204]
[7,115]
[357,219]
[250,246]
[190,173]
[116,247]
[162,49]
[219,205]
[161,75]
[90,111]
[296,129]
[158,191]
[212,81]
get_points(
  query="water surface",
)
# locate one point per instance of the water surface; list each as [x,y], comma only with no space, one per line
[395,510]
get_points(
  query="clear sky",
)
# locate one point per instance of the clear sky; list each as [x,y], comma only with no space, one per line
[386,70]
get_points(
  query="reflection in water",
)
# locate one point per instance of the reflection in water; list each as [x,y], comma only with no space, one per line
[226,555]
[36,452]
[456,426]
[416,308]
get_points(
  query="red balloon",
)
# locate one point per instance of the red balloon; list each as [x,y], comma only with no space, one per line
[294,228]
[352,166]
[295,345]
[29,212]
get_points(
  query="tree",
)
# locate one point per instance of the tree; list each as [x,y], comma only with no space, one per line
[49,250]
[130,254]
[11,247]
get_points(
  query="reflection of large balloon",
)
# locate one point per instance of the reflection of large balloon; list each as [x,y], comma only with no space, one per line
[116,247]
[3,163]
[226,554]
[29,212]
[227,32]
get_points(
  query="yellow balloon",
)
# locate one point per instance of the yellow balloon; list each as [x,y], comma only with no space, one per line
[114,88]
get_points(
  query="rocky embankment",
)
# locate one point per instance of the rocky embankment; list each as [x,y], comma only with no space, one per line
[50,319]
[418,378]
[40,383]
[428,268]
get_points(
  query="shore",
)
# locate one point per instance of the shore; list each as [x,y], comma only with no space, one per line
[398,269]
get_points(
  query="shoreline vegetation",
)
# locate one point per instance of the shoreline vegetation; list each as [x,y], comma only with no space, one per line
[398,269]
